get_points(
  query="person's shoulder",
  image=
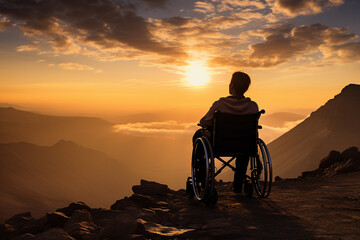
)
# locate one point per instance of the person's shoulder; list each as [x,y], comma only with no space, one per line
[253,105]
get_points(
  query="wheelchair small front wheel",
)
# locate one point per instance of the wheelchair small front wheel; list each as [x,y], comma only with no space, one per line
[261,170]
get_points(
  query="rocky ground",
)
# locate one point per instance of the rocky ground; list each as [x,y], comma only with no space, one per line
[322,204]
[310,208]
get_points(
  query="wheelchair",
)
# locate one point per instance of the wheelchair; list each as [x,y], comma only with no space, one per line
[231,136]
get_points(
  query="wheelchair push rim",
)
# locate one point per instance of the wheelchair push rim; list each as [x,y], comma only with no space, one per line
[202,168]
[261,170]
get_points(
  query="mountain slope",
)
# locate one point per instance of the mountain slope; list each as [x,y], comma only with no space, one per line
[40,178]
[336,125]
[17,125]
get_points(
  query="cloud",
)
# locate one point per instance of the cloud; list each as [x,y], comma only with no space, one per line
[204,7]
[156,3]
[176,21]
[285,42]
[232,5]
[166,128]
[303,7]
[28,47]
[347,51]
[106,25]
[75,66]
[4,23]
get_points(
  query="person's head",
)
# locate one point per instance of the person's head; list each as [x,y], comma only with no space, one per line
[239,84]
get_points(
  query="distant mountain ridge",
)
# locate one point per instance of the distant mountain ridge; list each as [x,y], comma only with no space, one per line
[42,178]
[334,126]
[17,125]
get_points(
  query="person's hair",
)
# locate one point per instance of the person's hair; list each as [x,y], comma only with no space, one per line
[241,82]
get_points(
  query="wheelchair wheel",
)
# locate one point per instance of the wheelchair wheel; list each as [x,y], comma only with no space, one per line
[202,169]
[261,170]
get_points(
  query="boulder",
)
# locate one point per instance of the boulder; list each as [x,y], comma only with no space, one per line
[122,227]
[101,216]
[331,159]
[349,153]
[26,236]
[6,231]
[81,225]
[122,204]
[143,200]
[150,188]
[81,230]
[278,179]
[73,207]
[81,215]
[54,234]
[56,219]
[19,220]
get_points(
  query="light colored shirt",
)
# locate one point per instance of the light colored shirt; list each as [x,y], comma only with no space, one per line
[231,105]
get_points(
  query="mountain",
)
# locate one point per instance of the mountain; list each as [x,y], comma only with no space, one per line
[42,178]
[17,125]
[334,126]
[165,155]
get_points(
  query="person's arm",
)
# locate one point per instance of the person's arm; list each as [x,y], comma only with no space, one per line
[207,120]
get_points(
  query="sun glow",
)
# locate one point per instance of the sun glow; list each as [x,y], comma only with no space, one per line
[196,74]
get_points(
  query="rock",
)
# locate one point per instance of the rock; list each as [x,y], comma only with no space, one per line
[137,237]
[6,231]
[73,207]
[333,157]
[122,204]
[56,219]
[54,234]
[101,216]
[27,236]
[149,188]
[81,225]
[122,227]
[19,220]
[144,201]
[313,173]
[81,230]
[278,179]
[81,215]
[349,153]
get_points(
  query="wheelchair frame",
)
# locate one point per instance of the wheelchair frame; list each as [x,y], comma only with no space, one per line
[201,184]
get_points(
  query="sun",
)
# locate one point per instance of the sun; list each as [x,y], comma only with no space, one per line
[196,74]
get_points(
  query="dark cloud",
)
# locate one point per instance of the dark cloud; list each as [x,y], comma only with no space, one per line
[156,3]
[67,24]
[348,51]
[301,7]
[283,44]
[4,23]
[176,21]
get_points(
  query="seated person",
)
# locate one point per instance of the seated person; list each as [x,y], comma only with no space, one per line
[236,103]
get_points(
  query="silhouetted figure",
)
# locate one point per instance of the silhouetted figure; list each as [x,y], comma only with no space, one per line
[238,104]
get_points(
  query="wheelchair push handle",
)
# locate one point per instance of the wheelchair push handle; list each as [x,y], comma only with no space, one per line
[262,111]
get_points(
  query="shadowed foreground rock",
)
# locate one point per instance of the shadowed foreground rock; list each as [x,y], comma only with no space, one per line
[336,162]
[324,208]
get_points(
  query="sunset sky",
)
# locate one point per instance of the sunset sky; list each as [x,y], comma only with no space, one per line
[112,58]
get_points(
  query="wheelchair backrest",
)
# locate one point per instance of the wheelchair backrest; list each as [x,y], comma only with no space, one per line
[235,134]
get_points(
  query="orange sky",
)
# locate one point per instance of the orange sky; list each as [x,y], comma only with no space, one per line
[297,56]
